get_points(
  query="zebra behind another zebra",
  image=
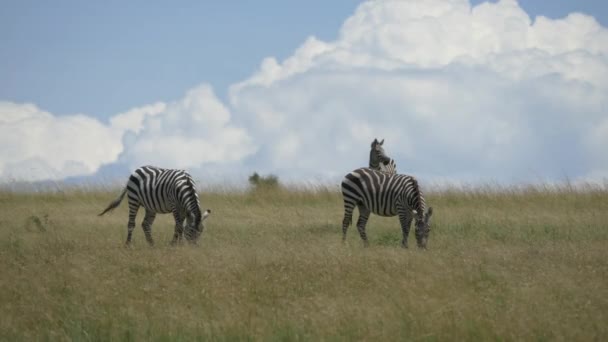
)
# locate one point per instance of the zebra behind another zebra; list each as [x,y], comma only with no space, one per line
[378,160]
[163,191]
[385,195]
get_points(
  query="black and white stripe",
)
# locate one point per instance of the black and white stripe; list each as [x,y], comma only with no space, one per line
[388,167]
[163,191]
[378,160]
[385,195]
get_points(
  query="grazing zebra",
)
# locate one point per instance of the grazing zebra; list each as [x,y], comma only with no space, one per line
[385,195]
[163,191]
[378,160]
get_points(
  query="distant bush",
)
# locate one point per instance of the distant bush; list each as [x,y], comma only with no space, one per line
[267,182]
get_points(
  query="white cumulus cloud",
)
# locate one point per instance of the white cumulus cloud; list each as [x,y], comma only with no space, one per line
[133,119]
[460,92]
[188,133]
[38,145]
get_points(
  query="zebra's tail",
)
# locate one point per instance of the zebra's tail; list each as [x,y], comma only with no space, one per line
[116,202]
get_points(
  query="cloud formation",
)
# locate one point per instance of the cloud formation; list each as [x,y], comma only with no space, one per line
[37,145]
[459,93]
[187,133]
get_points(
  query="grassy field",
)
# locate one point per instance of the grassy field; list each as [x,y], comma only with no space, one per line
[529,264]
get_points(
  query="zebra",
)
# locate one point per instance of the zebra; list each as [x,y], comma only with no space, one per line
[378,160]
[388,195]
[163,191]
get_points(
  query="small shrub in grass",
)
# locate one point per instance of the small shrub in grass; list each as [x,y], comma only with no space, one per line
[264,182]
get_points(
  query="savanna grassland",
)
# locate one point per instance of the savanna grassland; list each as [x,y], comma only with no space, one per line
[526,264]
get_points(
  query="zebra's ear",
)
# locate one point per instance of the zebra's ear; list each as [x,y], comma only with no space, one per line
[374,142]
[381,142]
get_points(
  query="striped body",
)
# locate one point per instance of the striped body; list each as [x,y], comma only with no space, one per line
[163,191]
[388,195]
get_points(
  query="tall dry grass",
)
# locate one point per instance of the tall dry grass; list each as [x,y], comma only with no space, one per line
[515,264]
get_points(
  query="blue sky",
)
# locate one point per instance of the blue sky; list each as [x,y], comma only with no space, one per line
[117,71]
[104,57]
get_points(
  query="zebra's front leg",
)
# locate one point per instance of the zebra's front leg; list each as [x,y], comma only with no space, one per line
[147,226]
[348,218]
[179,227]
[405,219]
[361,222]
[131,225]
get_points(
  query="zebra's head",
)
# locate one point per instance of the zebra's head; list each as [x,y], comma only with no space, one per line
[195,227]
[423,228]
[377,155]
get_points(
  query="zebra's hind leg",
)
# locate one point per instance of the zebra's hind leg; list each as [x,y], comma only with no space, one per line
[361,222]
[348,218]
[147,226]
[179,227]
[405,219]
[133,208]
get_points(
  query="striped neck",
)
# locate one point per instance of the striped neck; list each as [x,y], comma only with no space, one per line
[373,162]
[375,166]
[417,200]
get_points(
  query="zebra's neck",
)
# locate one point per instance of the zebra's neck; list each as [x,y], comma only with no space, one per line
[375,166]
[416,199]
[373,162]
